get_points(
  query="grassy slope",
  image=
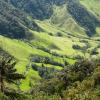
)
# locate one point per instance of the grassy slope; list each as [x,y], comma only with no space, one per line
[94,7]
[62,18]
[67,40]
[61,45]
[21,50]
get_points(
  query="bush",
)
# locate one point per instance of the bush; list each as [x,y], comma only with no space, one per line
[51,34]
[63,79]
[59,34]
[45,60]
[97,78]
[76,47]
[44,72]
[3,97]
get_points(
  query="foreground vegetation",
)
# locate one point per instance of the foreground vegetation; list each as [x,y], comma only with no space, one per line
[80,81]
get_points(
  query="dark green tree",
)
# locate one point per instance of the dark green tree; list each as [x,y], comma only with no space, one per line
[8,72]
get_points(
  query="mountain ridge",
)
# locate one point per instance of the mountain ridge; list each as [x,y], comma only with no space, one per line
[43,9]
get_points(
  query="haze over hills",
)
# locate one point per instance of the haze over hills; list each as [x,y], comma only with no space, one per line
[45,36]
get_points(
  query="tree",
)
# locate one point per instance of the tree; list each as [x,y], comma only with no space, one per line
[8,72]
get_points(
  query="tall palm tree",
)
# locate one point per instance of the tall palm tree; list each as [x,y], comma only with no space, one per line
[8,72]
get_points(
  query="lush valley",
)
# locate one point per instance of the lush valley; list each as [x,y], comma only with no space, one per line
[56,44]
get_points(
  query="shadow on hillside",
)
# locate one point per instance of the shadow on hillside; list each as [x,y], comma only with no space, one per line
[83,17]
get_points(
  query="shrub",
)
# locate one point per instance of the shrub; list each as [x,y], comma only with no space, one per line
[45,60]
[44,72]
[76,47]
[59,34]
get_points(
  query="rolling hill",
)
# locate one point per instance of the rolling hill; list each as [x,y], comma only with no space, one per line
[49,34]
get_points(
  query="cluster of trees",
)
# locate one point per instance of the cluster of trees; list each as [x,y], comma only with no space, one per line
[88,22]
[13,22]
[53,53]
[78,47]
[45,60]
[8,74]
[80,81]
[86,49]
[44,71]
[39,9]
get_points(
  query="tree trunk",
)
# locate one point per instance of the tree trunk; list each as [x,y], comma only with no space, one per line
[1,83]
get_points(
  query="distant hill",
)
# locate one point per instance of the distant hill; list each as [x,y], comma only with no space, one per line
[44,9]
[14,23]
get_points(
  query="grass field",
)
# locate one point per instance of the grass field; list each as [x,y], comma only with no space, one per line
[62,45]
[60,33]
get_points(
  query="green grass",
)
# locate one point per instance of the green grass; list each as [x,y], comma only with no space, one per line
[62,19]
[61,45]
[21,51]
[32,77]
[93,6]
[54,43]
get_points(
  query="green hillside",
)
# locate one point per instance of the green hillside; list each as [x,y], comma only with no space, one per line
[93,6]
[56,46]
[44,45]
